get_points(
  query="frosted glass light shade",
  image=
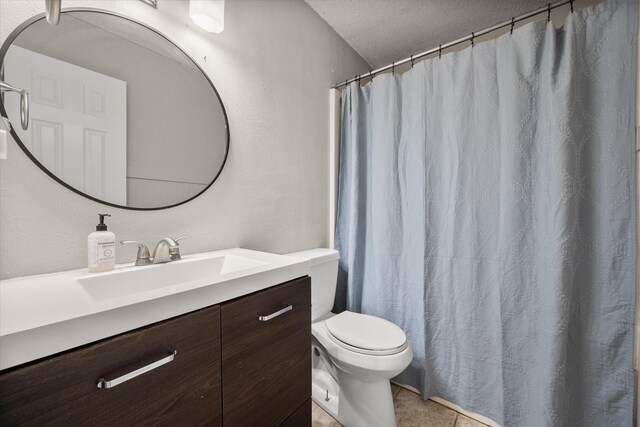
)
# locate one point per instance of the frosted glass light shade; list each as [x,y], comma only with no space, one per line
[208,14]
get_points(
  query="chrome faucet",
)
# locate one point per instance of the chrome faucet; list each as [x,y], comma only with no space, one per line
[143,257]
[166,250]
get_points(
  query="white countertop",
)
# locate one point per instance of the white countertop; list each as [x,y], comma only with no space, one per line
[49,313]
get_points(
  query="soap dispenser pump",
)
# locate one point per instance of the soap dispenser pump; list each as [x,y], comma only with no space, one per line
[101,245]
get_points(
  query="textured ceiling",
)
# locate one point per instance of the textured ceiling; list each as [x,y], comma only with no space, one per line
[382,31]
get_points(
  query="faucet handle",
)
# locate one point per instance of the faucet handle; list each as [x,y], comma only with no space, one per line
[143,257]
[174,249]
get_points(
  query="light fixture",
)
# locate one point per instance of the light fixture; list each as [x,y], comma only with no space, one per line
[208,14]
[52,9]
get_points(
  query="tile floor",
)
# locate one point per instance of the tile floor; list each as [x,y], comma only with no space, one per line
[411,411]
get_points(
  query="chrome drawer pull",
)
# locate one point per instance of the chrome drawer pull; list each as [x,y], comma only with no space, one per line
[102,383]
[276,314]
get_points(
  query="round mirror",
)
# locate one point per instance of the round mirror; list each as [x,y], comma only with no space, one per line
[116,112]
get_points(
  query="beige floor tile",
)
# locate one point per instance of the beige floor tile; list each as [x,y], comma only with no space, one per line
[320,418]
[464,421]
[412,411]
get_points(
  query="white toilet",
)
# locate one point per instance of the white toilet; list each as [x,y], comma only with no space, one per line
[354,355]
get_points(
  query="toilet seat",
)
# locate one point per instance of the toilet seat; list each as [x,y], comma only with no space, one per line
[366,334]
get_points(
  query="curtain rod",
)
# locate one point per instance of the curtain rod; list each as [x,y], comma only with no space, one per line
[548,8]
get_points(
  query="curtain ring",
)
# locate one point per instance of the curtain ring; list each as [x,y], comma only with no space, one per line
[472,37]
[513,23]
[548,12]
[346,83]
[411,57]
[571,5]
[371,75]
[393,68]
[440,51]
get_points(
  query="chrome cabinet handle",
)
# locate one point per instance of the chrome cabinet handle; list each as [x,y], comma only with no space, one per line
[103,383]
[276,314]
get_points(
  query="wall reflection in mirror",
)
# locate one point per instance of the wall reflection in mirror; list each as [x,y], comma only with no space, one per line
[117,112]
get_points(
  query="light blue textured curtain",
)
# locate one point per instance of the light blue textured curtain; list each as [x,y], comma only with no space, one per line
[486,206]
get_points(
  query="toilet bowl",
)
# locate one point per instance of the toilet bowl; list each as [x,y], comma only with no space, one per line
[354,355]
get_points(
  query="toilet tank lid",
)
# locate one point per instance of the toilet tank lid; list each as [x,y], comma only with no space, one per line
[317,256]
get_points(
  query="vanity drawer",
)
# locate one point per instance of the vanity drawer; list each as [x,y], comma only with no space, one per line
[266,354]
[184,391]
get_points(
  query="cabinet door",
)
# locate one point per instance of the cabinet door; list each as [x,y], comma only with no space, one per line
[266,356]
[183,391]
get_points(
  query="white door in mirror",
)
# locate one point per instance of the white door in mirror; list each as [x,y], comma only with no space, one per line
[78,125]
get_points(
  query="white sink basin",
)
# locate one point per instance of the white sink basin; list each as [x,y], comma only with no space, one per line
[49,313]
[184,273]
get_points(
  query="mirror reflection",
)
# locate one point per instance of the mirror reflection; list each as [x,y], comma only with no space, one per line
[117,112]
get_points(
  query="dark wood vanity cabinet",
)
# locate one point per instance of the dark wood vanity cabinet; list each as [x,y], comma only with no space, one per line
[266,355]
[229,368]
[185,391]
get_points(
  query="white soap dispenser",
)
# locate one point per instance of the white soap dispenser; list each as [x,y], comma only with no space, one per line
[102,248]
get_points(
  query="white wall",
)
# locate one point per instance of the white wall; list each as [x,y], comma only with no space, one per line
[273,66]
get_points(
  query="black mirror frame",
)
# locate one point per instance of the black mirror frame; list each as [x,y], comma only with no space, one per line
[16,32]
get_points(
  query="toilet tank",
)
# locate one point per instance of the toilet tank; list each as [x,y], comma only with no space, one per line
[323,265]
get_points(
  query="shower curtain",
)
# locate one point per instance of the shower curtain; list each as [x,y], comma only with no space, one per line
[487,207]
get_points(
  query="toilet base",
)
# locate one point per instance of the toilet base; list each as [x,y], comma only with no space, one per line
[365,403]
[351,401]
[325,391]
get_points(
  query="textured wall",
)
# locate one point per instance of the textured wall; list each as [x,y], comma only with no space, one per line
[273,66]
